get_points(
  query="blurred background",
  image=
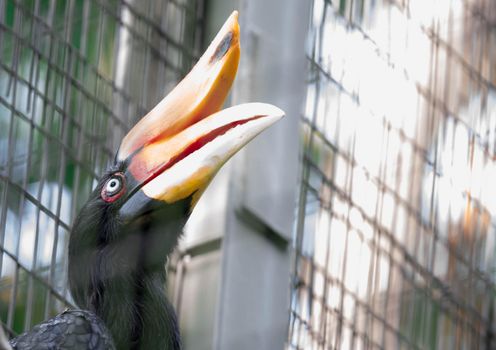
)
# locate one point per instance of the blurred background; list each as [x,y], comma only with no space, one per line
[365,220]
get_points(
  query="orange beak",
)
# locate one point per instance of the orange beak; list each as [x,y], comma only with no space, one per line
[177,148]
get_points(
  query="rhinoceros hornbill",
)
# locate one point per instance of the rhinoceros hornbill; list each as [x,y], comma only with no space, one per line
[120,240]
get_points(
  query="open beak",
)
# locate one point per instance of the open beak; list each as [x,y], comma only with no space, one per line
[177,148]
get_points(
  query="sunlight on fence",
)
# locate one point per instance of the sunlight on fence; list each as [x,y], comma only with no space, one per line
[395,237]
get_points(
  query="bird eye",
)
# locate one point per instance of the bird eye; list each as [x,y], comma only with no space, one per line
[113,188]
[113,185]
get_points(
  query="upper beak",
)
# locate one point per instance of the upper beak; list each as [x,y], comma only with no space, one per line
[201,93]
[177,148]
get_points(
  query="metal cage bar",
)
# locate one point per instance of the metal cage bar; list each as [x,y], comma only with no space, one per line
[395,236]
[74,75]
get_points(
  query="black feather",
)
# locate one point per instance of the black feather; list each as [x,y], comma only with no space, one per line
[72,329]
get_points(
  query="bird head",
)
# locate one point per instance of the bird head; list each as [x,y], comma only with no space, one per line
[163,165]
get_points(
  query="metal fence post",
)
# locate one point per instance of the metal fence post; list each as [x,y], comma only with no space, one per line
[253,298]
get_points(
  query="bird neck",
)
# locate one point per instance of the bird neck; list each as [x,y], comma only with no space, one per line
[139,317]
[127,292]
[118,272]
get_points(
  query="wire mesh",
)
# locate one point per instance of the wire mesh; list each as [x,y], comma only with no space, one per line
[74,75]
[395,236]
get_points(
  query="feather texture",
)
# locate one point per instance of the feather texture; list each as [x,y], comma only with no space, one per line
[72,329]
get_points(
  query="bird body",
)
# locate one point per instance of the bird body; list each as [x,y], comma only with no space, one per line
[121,238]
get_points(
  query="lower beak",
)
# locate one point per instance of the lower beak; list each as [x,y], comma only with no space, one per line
[182,166]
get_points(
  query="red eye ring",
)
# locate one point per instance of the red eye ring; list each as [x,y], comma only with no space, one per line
[113,188]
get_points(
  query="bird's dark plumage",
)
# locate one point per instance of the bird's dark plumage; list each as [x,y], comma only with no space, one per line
[72,329]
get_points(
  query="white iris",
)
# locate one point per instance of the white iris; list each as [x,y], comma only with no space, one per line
[113,185]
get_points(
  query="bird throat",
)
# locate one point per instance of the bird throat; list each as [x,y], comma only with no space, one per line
[124,283]
[117,270]
[133,304]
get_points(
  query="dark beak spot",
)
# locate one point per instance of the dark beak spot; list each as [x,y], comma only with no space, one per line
[223,47]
